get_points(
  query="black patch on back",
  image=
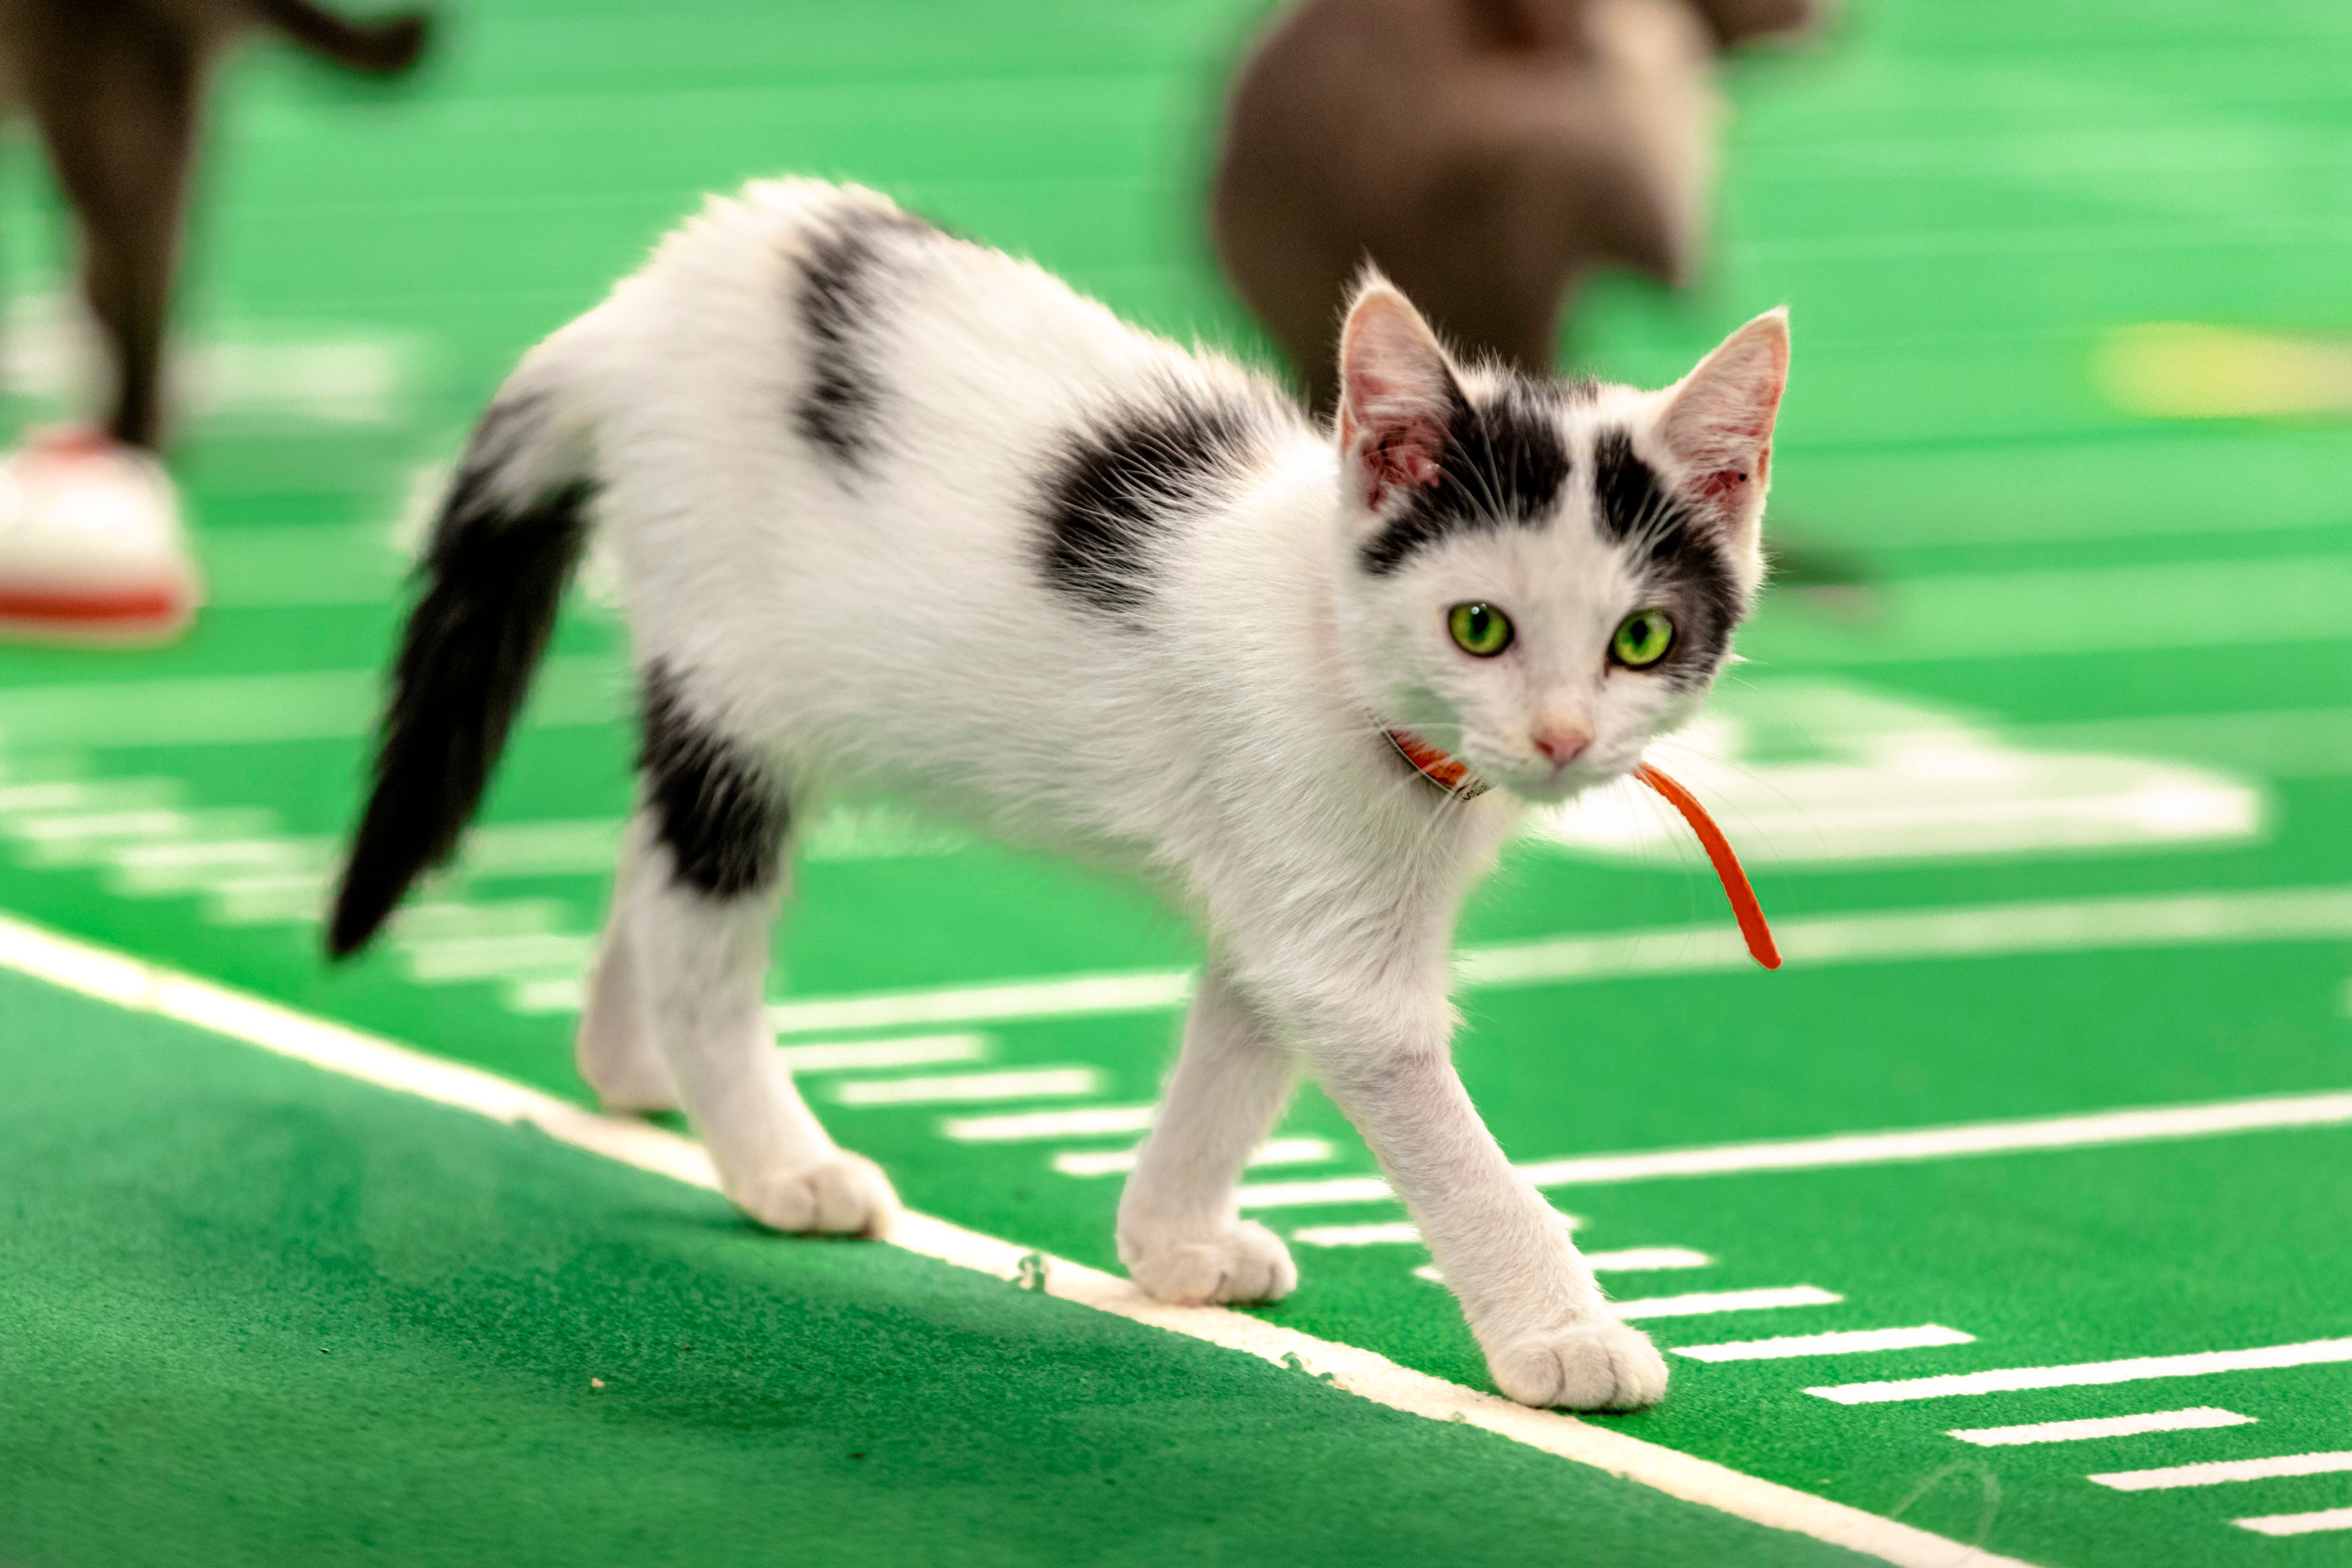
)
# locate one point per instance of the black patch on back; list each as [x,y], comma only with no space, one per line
[723,818]
[1505,462]
[840,405]
[1639,510]
[1114,491]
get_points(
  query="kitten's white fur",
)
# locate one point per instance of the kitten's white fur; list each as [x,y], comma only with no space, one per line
[891,631]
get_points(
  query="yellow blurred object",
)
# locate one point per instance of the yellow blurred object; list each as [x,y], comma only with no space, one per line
[2176,370]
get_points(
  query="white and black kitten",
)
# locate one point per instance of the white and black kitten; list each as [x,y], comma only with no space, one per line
[897,514]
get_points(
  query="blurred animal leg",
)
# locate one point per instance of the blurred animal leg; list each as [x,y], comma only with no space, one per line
[118,109]
[618,1052]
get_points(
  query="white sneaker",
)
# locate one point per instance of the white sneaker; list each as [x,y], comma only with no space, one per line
[92,549]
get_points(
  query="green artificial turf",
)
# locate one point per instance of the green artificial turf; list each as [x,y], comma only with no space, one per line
[258,1314]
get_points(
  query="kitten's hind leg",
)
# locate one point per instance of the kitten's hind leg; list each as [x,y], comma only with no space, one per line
[699,924]
[618,1051]
[1180,1231]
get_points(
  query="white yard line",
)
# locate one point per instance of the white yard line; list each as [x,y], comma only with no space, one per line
[974,1088]
[2220,1472]
[1695,1304]
[1879,936]
[1332,1191]
[230,709]
[1846,1341]
[1381,1233]
[2159,1124]
[1032,1126]
[2091,1374]
[1119,1161]
[1702,1303]
[2195,1420]
[142,987]
[1068,996]
[1643,1259]
[2298,1523]
[2068,925]
[871,1055]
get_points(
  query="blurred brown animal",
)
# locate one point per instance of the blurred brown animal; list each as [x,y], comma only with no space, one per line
[1488,155]
[116,88]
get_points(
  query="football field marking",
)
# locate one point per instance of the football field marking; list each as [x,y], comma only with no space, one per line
[2093,1374]
[2096,1130]
[960,1088]
[1068,996]
[136,985]
[1876,936]
[871,1055]
[1845,1342]
[1380,1233]
[1648,1260]
[1702,1303]
[1030,1126]
[1639,1260]
[1119,1161]
[2298,1523]
[2097,1426]
[2221,1472]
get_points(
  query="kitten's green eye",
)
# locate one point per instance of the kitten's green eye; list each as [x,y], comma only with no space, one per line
[1479,629]
[1642,640]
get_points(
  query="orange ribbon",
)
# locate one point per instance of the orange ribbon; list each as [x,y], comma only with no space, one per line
[1744,907]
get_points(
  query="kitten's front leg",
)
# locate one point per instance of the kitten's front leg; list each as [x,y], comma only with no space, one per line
[1180,1233]
[1549,1336]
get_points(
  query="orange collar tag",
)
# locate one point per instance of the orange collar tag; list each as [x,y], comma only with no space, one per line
[1456,779]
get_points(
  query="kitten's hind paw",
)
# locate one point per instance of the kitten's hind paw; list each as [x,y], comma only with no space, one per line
[840,1194]
[1243,1262]
[1597,1364]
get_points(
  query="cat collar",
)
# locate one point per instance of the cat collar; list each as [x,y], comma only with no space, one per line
[1447,773]
[1454,777]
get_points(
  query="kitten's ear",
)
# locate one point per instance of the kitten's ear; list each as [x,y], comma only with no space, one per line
[1717,420]
[1397,396]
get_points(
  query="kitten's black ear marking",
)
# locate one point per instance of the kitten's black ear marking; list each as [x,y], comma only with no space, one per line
[841,403]
[1635,504]
[1422,456]
[1115,490]
[1503,461]
[723,818]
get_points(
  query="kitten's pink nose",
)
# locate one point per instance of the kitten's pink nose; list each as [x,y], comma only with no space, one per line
[1561,743]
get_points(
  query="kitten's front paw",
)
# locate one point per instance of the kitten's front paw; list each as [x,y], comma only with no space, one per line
[1243,1262]
[840,1194]
[1595,1364]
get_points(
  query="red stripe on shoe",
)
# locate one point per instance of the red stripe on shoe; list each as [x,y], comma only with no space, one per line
[85,609]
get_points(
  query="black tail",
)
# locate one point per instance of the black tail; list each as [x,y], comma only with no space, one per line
[492,577]
[380,46]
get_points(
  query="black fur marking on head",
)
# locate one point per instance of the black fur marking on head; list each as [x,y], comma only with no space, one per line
[839,405]
[1115,490]
[1686,562]
[493,576]
[1505,462]
[723,817]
